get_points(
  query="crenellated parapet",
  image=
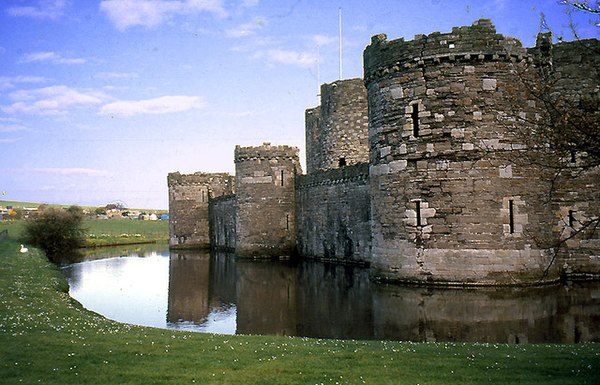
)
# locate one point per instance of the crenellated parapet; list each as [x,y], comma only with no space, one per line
[355,173]
[265,152]
[475,43]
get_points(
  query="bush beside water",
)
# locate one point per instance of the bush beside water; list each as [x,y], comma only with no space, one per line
[56,231]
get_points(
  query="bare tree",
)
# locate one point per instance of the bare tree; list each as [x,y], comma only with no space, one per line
[554,115]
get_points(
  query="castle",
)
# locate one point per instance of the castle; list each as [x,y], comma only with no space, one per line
[407,172]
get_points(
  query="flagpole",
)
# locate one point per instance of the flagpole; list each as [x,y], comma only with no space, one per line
[318,74]
[340,25]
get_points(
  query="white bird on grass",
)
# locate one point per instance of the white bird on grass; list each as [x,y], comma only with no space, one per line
[23,249]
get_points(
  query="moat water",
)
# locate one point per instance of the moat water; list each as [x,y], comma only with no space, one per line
[196,291]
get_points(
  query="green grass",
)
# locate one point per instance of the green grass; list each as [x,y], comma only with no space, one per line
[121,231]
[47,337]
[102,232]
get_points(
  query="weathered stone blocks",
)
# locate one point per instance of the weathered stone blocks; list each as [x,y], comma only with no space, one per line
[265,200]
[189,196]
[336,131]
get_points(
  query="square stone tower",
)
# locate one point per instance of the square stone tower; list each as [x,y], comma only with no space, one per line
[266,205]
[189,197]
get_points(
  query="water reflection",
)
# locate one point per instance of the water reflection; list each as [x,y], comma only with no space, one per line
[222,294]
[201,292]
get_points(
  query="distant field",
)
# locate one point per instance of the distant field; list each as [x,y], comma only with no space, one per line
[101,232]
[20,204]
[119,231]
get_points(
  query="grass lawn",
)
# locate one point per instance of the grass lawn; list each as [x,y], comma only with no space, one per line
[47,337]
[102,232]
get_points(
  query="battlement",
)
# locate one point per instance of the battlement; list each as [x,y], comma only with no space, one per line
[197,178]
[354,173]
[265,152]
[336,91]
[478,42]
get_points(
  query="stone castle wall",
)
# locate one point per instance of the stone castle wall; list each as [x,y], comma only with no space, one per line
[189,196]
[266,205]
[223,217]
[333,214]
[416,171]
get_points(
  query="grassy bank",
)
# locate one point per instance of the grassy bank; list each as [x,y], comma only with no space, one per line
[102,232]
[47,337]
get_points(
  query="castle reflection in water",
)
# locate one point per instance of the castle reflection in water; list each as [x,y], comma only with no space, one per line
[339,301]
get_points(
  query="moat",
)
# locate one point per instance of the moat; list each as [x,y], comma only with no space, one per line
[196,291]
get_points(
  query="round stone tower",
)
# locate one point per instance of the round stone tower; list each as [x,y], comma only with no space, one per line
[336,131]
[266,205]
[448,204]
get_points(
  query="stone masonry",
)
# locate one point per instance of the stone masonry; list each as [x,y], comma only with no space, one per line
[189,197]
[408,171]
[266,205]
[336,131]
[445,208]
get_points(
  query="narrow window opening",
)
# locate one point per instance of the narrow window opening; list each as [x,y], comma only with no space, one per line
[203,196]
[282,177]
[511,216]
[342,162]
[415,119]
[418,211]
[451,45]
[287,222]
[573,156]
[571,218]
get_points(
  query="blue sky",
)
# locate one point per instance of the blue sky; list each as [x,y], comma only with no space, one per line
[99,100]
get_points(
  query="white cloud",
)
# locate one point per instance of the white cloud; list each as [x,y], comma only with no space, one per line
[249,3]
[299,59]
[323,40]
[9,140]
[161,105]
[51,57]
[45,9]
[150,13]
[245,30]
[12,128]
[74,171]
[257,44]
[54,100]
[7,82]
[117,75]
